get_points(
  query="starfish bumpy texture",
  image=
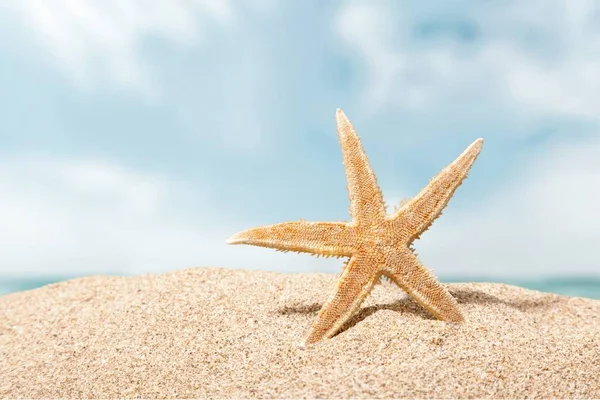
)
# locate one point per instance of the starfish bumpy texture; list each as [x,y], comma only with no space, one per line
[376,243]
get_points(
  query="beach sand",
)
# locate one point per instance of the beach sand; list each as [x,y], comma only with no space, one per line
[210,332]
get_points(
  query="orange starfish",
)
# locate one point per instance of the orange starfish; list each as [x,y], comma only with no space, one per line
[377,244]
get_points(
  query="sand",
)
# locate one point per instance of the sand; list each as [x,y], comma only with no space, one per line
[210,332]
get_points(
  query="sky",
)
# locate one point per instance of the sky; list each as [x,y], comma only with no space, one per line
[136,136]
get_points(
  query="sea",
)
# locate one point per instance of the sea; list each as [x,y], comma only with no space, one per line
[574,286]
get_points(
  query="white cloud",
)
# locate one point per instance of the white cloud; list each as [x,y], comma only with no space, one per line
[542,57]
[546,222]
[100,41]
[80,217]
[366,27]
[529,62]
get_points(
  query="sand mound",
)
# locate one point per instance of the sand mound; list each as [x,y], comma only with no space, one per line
[233,333]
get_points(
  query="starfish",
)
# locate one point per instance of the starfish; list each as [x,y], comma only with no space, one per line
[377,244]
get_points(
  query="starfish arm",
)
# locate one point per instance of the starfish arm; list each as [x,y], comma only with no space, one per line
[404,268]
[353,286]
[366,200]
[322,238]
[420,212]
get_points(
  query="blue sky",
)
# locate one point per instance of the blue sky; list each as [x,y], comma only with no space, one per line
[138,135]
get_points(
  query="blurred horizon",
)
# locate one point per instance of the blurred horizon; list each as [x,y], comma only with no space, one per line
[579,286]
[138,135]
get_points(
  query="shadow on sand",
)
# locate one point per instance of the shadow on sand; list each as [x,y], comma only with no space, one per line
[407,305]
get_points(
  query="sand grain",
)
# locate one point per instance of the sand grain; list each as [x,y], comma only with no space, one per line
[234,333]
